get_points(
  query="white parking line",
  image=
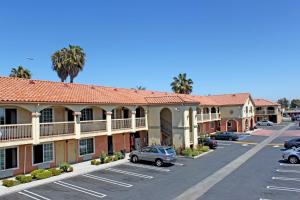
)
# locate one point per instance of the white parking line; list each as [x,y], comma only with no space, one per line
[287,171]
[108,180]
[224,144]
[283,189]
[286,179]
[129,173]
[147,167]
[32,195]
[178,164]
[263,199]
[290,165]
[80,189]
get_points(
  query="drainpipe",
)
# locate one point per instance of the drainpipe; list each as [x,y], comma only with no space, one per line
[24,167]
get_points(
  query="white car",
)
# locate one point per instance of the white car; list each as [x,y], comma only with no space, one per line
[264,123]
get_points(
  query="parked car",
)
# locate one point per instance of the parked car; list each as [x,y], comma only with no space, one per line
[292,155]
[225,136]
[208,142]
[296,118]
[295,142]
[264,123]
[157,154]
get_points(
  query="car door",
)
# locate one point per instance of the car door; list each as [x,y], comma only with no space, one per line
[145,154]
[154,154]
[297,142]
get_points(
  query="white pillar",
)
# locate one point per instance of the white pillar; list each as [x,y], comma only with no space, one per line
[186,125]
[201,109]
[77,126]
[146,119]
[108,122]
[195,129]
[133,125]
[209,110]
[35,127]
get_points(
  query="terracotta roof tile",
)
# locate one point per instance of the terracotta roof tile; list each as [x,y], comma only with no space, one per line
[264,102]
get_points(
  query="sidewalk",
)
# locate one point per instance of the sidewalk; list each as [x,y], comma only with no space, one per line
[79,169]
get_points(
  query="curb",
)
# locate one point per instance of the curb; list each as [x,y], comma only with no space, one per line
[203,154]
[76,172]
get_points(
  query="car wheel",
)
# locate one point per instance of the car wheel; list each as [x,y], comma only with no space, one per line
[134,159]
[159,162]
[293,159]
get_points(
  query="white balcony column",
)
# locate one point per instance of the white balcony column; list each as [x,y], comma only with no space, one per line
[133,117]
[209,111]
[195,128]
[201,114]
[77,126]
[186,125]
[146,119]
[35,127]
[108,122]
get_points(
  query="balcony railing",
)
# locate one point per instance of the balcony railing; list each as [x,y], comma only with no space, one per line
[215,116]
[206,117]
[260,112]
[120,124]
[56,129]
[271,112]
[93,126]
[15,132]
[140,122]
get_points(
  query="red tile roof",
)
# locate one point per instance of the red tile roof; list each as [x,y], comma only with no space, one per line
[230,99]
[264,102]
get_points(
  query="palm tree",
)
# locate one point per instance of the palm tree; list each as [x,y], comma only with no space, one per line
[182,85]
[139,87]
[20,72]
[68,62]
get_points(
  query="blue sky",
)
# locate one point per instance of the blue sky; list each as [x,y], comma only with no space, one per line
[224,46]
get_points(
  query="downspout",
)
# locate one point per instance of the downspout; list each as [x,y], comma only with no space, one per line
[24,167]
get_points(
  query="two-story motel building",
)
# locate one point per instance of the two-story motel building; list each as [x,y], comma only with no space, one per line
[44,123]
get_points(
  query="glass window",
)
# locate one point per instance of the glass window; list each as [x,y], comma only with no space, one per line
[146,149]
[48,152]
[170,150]
[42,153]
[46,115]
[2,114]
[229,124]
[212,125]
[2,159]
[86,146]
[162,150]
[86,114]
[154,150]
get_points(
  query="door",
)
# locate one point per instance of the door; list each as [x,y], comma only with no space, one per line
[137,143]
[70,116]
[72,151]
[60,152]
[145,154]
[110,148]
[10,116]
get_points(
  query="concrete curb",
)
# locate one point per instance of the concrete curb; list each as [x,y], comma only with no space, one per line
[203,154]
[79,169]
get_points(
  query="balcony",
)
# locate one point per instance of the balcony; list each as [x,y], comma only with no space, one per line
[56,129]
[206,117]
[215,116]
[140,122]
[271,112]
[93,126]
[121,124]
[15,132]
[260,112]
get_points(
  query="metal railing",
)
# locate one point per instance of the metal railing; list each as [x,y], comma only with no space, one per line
[15,132]
[93,126]
[206,117]
[140,122]
[215,116]
[271,112]
[56,129]
[260,112]
[199,117]
[120,124]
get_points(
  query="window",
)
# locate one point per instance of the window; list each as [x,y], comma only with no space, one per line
[86,114]
[146,150]
[46,115]
[212,125]
[154,150]
[2,115]
[229,124]
[42,153]
[86,146]
[246,109]
[8,158]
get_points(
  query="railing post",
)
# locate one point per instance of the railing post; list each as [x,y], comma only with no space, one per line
[133,117]
[35,127]
[146,119]
[108,122]
[77,126]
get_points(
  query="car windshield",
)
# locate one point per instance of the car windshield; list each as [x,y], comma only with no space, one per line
[170,150]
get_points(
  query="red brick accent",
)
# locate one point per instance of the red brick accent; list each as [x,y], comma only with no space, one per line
[121,141]
[100,145]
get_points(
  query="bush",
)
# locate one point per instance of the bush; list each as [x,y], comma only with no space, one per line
[108,159]
[102,157]
[24,179]
[195,153]
[203,148]
[64,167]
[187,152]
[119,155]
[93,162]
[55,172]
[70,169]
[35,172]
[43,175]
[9,183]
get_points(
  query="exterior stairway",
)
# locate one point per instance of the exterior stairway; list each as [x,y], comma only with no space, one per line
[166,131]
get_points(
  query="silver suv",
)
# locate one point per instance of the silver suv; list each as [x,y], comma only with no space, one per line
[158,154]
[292,155]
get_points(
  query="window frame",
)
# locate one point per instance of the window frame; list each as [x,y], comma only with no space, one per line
[84,114]
[230,125]
[12,147]
[53,154]
[86,147]
[52,116]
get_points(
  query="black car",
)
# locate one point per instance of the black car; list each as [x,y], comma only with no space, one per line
[225,136]
[208,142]
[292,143]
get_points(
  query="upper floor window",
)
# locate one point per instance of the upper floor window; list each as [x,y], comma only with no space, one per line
[46,115]
[86,114]
[246,109]
[2,115]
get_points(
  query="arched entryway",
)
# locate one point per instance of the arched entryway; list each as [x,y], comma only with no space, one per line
[232,126]
[251,124]
[247,125]
[166,127]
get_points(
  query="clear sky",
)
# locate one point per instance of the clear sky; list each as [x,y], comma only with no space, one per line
[224,46]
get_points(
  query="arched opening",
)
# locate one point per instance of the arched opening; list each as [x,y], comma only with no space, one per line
[166,127]
[247,124]
[93,119]
[140,112]
[121,113]
[232,126]
[205,110]
[251,124]
[213,110]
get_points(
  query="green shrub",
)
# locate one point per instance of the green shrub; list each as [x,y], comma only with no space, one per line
[24,179]
[43,175]
[119,155]
[195,153]
[35,172]
[108,159]
[93,162]
[187,152]
[9,183]
[203,148]
[55,172]
[70,169]
[102,157]
[64,166]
